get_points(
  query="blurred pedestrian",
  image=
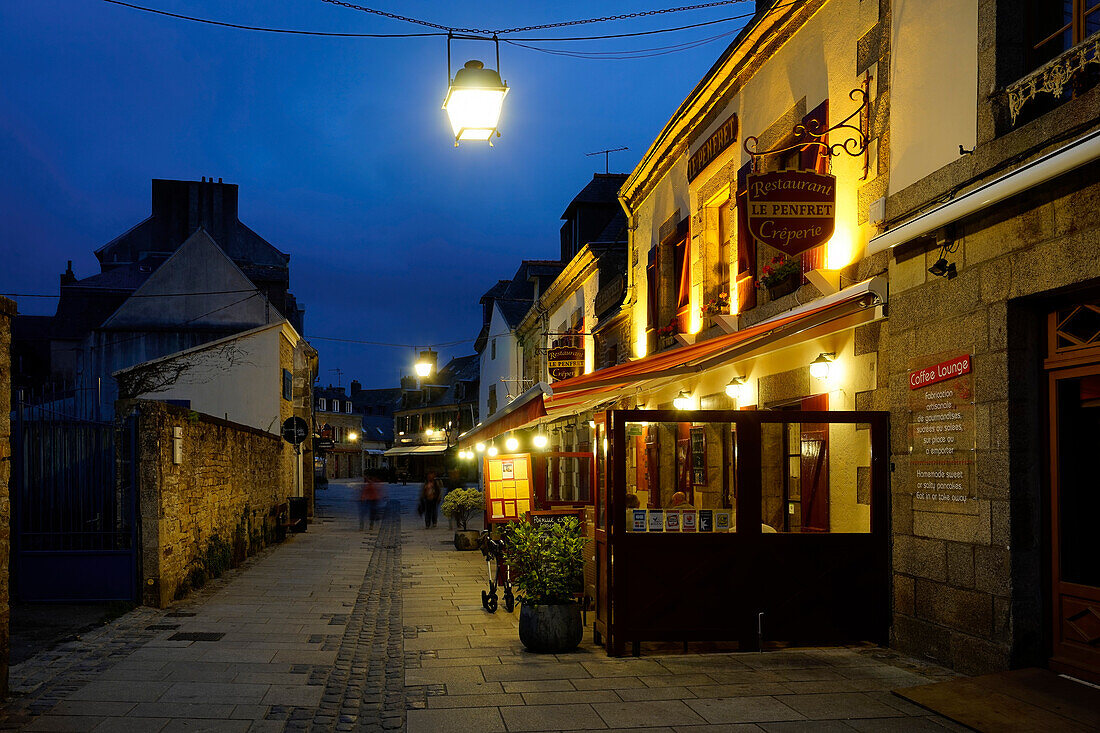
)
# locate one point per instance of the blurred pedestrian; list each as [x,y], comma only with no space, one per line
[370,494]
[429,501]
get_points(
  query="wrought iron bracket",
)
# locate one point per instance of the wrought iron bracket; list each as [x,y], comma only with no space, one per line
[812,134]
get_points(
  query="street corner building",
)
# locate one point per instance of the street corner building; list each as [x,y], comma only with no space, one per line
[843,382]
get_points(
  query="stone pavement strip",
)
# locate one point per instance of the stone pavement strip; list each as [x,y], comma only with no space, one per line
[344,630]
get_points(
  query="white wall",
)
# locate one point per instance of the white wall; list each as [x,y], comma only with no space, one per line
[933,86]
[242,384]
[506,365]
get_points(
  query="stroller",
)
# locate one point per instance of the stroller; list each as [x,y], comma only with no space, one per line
[493,551]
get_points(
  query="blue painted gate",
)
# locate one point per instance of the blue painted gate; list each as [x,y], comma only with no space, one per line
[73,504]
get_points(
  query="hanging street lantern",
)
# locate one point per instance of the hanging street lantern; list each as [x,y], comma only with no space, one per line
[474,99]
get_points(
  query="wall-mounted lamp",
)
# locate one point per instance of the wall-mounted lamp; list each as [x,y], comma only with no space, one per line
[819,367]
[682,401]
[943,268]
[736,388]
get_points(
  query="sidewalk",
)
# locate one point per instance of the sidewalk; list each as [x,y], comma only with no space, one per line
[344,630]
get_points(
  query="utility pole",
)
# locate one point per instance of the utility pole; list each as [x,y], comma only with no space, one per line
[606,156]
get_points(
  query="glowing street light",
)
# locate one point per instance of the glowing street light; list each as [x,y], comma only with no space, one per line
[474,99]
[353,436]
[425,364]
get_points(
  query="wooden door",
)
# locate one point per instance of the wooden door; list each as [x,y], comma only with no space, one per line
[1075,517]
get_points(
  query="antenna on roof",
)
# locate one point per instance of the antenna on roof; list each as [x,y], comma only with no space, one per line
[606,157]
[339,376]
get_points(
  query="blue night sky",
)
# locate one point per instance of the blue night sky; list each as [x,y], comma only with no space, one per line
[342,153]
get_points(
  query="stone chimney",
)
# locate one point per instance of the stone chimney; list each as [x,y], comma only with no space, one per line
[68,277]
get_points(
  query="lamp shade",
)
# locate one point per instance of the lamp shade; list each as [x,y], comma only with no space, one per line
[682,401]
[819,367]
[473,102]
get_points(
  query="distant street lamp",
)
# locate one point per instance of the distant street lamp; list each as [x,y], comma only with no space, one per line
[425,364]
[353,436]
[474,99]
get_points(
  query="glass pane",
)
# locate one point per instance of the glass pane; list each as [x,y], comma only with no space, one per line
[681,476]
[1078,500]
[815,477]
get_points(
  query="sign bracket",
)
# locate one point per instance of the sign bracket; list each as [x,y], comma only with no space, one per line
[854,145]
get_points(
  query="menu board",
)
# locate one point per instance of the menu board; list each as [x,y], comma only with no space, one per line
[941,433]
[508,487]
[698,457]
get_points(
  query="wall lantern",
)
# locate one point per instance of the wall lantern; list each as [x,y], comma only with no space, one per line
[540,440]
[511,444]
[353,436]
[943,268]
[480,447]
[492,451]
[425,364]
[736,388]
[682,401]
[819,367]
[474,99]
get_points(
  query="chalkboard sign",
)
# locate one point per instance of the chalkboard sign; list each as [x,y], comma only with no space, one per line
[547,518]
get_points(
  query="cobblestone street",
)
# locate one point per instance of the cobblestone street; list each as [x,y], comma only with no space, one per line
[344,630]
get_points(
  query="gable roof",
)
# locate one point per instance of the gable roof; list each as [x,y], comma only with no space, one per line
[218,293]
[602,189]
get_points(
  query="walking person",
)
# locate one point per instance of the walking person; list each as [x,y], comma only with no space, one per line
[429,501]
[369,495]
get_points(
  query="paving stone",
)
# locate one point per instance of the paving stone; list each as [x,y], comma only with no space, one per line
[743,710]
[551,717]
[647,713]
[468,720]
[839,705]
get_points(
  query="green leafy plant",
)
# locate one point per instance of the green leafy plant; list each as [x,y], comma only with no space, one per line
[217,556]
[462,504]
[547,561]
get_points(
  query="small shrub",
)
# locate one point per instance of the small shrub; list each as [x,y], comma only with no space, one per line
[547,561]
[217,556]
[462,504]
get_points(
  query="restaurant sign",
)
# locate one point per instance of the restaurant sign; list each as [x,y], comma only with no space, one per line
[722,138]
[565,362]
[792,211]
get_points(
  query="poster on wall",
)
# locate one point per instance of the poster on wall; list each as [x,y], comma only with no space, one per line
[941,433]
[793,210]
[508,487]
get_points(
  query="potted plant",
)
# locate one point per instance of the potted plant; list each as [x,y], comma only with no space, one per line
[715,306]
[667,334]
[780,276]
[547,566]
[460,505]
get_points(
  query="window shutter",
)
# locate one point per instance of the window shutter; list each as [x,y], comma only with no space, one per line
[746,247]
[651,288]
[814,157]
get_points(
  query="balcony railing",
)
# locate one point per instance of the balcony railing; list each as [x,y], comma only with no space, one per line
[1053,77]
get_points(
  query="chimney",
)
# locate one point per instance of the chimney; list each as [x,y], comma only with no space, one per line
[68,277]
[356,387]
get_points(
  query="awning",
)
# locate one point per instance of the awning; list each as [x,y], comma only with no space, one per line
[420,450]
[524,409]
[707,354]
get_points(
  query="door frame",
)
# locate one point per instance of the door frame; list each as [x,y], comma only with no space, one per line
[1064,657]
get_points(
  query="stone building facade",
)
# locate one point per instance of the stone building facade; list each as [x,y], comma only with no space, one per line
[994,581]
[202,481]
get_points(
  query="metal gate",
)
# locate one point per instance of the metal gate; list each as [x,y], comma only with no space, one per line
[73,503]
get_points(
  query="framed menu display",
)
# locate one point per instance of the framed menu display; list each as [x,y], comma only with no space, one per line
[698,457]
[508,487]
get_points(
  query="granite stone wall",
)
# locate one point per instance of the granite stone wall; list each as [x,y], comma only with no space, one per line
[219,495]
[969,585]
[7,313]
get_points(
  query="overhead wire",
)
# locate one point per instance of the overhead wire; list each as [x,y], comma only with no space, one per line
[542,26]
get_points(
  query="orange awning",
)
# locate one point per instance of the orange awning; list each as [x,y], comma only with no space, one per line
[702,355]
[525,409]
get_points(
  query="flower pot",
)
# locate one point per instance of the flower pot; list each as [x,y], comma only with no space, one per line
[551,629]
[466,539]
[786,286]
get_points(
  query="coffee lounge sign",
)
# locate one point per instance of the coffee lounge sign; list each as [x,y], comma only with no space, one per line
[792,211]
